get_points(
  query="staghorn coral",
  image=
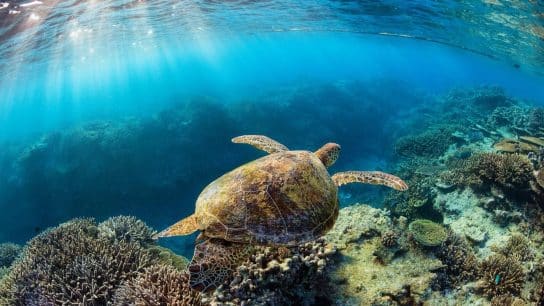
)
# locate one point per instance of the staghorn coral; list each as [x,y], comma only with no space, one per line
[517,247]
[500,275]
[8,253]
[280,276]
[157,285]
[126,228]
[427,232]
[70,264]
[506,170]
[459,260]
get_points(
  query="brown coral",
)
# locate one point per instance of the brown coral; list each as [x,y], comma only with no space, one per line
[126,228]
[158,285]
[459,260]
[507,170]
[275,277]
[70,264]
[501,275]
[517,247]
[389,239]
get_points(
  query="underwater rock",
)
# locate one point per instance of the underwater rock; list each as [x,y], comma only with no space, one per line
[466,218]
[358,222]
[359,279]
[280,276]
[157,285]
[427,232]
[8,253]
[70,264]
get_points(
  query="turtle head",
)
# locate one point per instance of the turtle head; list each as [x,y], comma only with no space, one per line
[328,154]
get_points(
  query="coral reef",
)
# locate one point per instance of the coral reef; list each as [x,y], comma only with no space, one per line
[427,232]
[280,276]
[70,264]
[431,143]
[126,228]
[500,275]
[505,170]
[517,247]
[390,239]
[362,280]
[157,285]
[459,260]
[415,201]
[8,253]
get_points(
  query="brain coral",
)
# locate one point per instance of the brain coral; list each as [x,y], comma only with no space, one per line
[158,285]
[427,232]
[71,265]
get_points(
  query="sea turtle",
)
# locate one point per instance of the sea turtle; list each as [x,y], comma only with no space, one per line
[284,199]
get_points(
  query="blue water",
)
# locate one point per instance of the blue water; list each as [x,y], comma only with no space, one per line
[111,108]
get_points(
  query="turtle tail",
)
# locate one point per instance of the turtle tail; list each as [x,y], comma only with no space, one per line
[184,227]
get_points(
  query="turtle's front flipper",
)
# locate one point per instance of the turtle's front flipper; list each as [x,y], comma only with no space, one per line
[184,227]
[369,177]
[214,262]
[261,142]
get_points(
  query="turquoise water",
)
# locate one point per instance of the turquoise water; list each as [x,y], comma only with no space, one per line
[118,107]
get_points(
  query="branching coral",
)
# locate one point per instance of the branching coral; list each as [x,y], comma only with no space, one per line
[501,275]
[8,253]
[126,228]
[427,233]
[158,285]
[431,143]
[280,276]
[507,170]
[459,260]
[70,264]
[517,247]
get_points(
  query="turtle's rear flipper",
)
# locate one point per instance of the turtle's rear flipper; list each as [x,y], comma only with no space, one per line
[184,227]
[261,142]
[214,262]
[370,177]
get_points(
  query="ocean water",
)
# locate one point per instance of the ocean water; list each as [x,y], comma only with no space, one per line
[128,107]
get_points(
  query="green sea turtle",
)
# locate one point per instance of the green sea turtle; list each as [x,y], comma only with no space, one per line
[285,198]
